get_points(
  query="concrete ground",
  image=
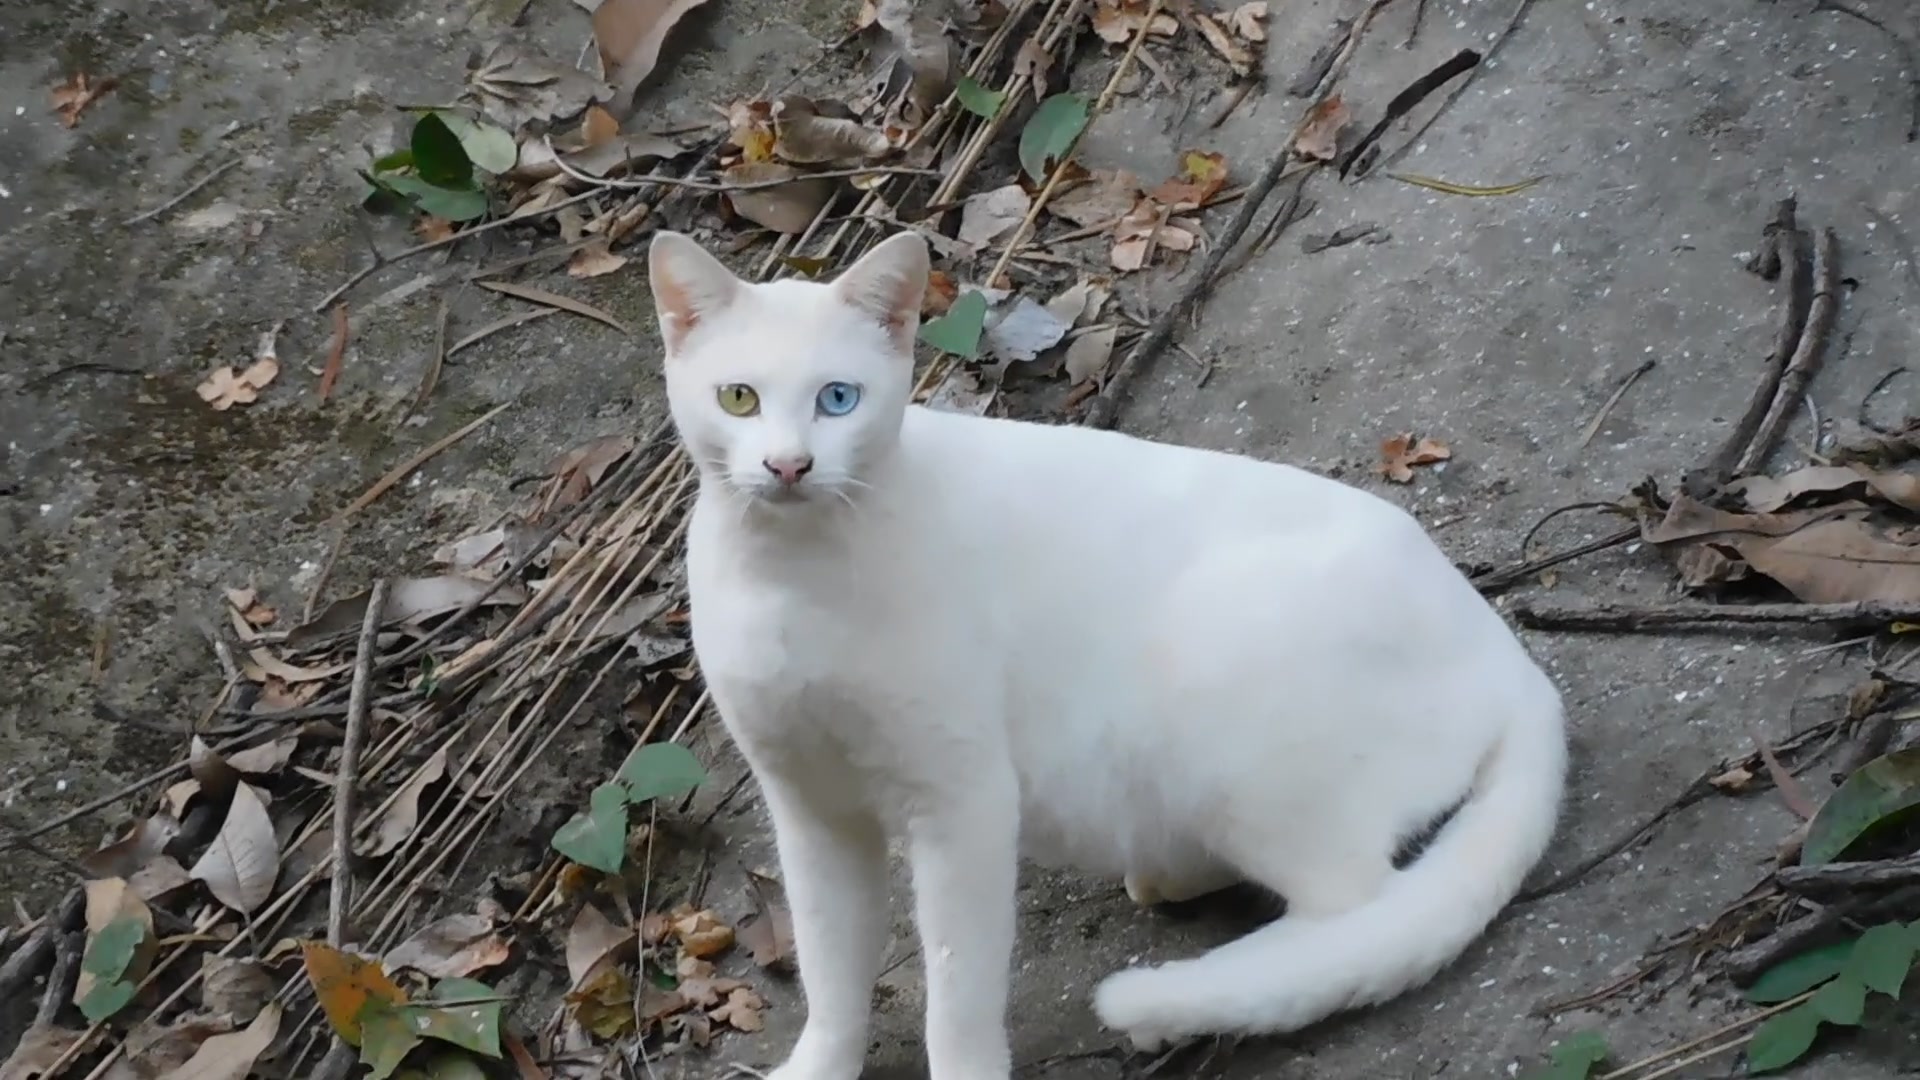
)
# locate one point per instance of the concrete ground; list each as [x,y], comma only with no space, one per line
[1498,324]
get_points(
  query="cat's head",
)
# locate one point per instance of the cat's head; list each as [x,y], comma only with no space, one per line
[787,393]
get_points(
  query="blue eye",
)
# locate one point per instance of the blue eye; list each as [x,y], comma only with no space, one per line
[837,398]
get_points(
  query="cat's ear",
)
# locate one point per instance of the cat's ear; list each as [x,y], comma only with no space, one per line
[889,284]
[688,285]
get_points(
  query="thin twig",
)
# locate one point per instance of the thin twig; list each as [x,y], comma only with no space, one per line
[1625,618]
[363,274]
[1494,581]
[1486,61]
[67,950]
[400,471]
[662,180]
[1806,356]
[431,377]
[340,890]
[216,173]
[492,328]
[1606,410]
[1059,172]
[1783,245]
[1829,878]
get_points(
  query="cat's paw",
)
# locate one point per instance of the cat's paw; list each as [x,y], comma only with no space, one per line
[1143,890]
[1136,1002]
[809,1062]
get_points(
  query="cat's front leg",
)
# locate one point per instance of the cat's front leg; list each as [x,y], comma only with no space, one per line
[834,860]
[964,852]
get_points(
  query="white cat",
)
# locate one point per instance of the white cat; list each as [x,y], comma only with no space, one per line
[1173,666]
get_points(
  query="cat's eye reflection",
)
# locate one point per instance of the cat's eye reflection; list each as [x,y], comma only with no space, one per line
[739,399]
[837,398]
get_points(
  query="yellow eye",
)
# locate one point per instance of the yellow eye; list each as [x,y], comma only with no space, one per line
[738,399]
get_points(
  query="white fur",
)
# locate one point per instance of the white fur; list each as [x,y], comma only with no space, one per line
[1159,664]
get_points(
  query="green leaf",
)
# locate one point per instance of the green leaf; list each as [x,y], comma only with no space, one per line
[1574,1057]
[437,154]
[1799,973]
[454,205]
[111,950]
[1581,1049]
[105,999]
[1782,1040]
[958,331]
[1881,958]
[467,1015]
[597,838]
[977,99]
[1842,1001]
[1051,132]
[1870,798]
[399,161]
[487,145]
[658,771]
[386,1037]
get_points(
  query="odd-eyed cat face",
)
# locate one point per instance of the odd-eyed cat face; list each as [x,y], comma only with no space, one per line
[787,393]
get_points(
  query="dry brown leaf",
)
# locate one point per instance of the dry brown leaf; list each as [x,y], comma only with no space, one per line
[140,846]
[629,34]
[433,230]
[1734,780]
[594,260]
[234,987]
[247,603]
[1088,354]
[215,776]
[1841,560]
[409,600]
[919,42]
[1082,301]
[1400,453]
[941,292]
[768,932]
[37,1052]
[594,942]
[265,759]
[76,93]
[450,948]
[604,1005]
[151,1049]
[224,387]
[807,132]
[1319,138]
[741,1011]
[597,126]
[701,933]
[1235,54]
[1146,230]
[1792,791]
[1249,21]
[990,215]
[1117,21]
[1765,494]
[240,866]
[1202,175]
[403,816]
[750,130]
[159,877]
[786,208]
[231,1057]
[1099,202]
[1034,62]
[517,85]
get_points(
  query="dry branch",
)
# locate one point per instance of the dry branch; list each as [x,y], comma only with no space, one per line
[1625,618]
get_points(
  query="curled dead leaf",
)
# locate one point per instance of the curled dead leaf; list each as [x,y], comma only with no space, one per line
[1237,56]
[1399,453]
[741,1011]
[450,948]
[1202,175]
[224,387]
[784,207]
[403,815]
[817,133]
[594,260]
[595,942]
[76,92]
[517,85]
[1319,136]
[629,34]
[990,215]
[701,933]
[1117,21]
[1098,202]
[920,46]
[1249,21]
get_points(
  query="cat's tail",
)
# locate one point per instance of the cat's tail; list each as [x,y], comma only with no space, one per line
[1298,970]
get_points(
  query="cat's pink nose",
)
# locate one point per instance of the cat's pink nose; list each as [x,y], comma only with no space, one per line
[789,469]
